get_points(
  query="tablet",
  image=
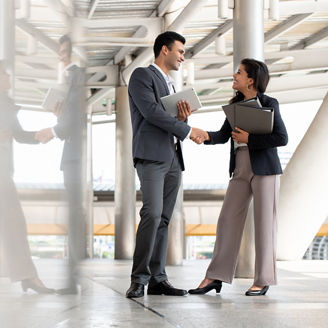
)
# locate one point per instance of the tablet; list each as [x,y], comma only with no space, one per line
[53,96]
[170,102]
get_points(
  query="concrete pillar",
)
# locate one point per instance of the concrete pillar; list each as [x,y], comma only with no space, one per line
[125,193]
[248,41]
[175,248]
[7,38]
[304,189]
[7,54]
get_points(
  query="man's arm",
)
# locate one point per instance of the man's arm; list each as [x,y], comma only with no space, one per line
[142,92]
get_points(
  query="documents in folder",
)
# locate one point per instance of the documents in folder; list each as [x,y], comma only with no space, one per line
[170,102]
[249,116]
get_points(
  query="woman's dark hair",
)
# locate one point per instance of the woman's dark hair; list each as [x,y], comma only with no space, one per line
[166,39]
[256,70]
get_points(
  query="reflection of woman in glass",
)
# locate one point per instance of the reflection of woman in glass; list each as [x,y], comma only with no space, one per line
[14,251]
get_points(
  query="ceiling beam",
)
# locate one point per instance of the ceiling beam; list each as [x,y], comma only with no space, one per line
[221,30]
[285,26]
[312,39]
[93,6]
[28,28]
[98,96]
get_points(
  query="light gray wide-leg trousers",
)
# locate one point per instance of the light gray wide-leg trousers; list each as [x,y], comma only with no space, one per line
[242,187]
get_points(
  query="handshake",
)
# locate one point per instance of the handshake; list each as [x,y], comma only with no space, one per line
[44,135]
[198,135]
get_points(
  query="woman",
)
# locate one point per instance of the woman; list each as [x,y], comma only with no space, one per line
[13,235]
[255,170]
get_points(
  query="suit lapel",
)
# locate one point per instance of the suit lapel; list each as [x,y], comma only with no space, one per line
[160,76]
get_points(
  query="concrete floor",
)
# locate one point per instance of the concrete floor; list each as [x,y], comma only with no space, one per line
[300,300]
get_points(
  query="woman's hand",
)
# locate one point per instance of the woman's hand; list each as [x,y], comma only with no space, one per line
[240,136]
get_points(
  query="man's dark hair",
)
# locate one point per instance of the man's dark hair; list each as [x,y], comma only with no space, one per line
[166,39]
[66,38]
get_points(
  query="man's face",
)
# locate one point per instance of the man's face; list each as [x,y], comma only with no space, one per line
[175,56]
[64,53]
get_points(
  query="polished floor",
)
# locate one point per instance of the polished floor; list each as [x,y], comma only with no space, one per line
[300,300]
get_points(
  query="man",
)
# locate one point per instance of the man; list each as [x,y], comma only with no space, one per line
[70,124]
[158,159]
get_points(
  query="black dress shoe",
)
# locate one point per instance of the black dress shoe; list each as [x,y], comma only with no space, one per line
[136,290]
[257,292]
[216,284]
[71,290]
[165,288]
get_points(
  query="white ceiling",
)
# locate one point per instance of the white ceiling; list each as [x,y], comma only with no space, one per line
[117,33]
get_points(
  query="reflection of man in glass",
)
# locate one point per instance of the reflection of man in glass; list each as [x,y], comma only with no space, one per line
[14,248]
[70,126]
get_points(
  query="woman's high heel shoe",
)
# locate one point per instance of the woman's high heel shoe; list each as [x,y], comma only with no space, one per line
[216,284]
[39,288]
[258,292]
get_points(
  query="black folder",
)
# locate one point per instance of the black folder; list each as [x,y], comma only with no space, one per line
[249,116]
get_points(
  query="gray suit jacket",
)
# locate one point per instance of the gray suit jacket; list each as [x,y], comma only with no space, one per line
[153,128]
[70,123]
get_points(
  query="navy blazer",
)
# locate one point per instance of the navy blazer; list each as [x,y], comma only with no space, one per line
[262,147]
[153,128]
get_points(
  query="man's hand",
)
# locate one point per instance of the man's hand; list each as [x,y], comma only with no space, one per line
[58,108]
[184,110]
[44,135]
[198,135]
[240,136]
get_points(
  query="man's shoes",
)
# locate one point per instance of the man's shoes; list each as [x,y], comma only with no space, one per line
[258,292]
[136,290]
[71,290]
[165,288]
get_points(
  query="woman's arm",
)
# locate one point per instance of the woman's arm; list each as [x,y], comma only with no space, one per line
[20,135]
[221,136]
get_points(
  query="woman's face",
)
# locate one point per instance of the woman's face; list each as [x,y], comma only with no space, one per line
[241,81]
[4,80]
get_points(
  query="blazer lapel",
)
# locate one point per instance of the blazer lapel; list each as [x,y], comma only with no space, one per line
[160,76]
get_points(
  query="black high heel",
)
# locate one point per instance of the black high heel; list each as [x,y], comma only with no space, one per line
[30,284]
[216,284]
[257,292]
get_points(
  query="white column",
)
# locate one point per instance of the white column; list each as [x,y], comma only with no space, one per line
[175,247]
[7,37]
[248,42]
[304,189]
[125,193]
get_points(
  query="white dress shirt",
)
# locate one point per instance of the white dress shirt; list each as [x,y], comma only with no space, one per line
[170,85]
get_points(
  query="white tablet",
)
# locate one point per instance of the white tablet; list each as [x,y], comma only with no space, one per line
[53,96]
[170,102]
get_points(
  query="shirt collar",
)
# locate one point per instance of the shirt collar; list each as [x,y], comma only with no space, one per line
[167,77]
[66,68]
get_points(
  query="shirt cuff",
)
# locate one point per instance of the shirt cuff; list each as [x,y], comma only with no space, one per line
[54,133]
[189,133]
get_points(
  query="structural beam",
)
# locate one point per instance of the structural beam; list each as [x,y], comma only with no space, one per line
[285,26]
[312,39]
[220,31]
[189,11]
[29,29]
[93,6]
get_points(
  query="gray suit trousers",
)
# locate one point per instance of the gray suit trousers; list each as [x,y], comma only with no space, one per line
[160,182]
[244,185]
